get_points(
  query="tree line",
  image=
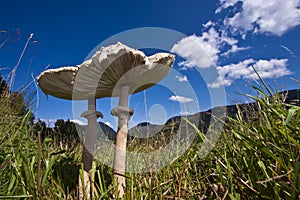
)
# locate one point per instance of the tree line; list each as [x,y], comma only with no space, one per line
[15,106]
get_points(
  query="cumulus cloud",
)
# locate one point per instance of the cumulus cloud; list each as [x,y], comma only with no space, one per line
[181,78]
[259,16]
[219,39]
[273,68]
[234,49]
[200,51]
[203,51]
[49,122]
[180,99]
[225,4]
[79,122]
[108,124]
[185,113]
[208,24]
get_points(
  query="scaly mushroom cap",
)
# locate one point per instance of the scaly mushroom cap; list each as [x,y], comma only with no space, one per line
[106,72]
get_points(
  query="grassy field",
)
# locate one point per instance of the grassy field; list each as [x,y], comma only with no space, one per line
[256,157]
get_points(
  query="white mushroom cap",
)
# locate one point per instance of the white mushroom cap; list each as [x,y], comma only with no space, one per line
[58,82]
[103,75]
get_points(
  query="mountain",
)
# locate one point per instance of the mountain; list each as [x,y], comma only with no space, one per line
[202,120]
[103,131]
[162,134]
[291,97]
[144,130]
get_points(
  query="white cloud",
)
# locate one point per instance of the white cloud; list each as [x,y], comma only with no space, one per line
[108,124]
[234,49]
[49,122]
[79,122]
[256,16]
[180,99]
[208,24]
[288,50]
[260,16]
[203,51]
[273,68]
[185,113]
[225,4]
[198,51]
[181,78]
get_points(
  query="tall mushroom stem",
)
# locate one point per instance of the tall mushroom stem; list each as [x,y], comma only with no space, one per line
[123,113]
[112,66]
[85,188]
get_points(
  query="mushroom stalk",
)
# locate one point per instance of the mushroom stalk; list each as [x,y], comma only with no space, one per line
[120,148]
[100,76]
[85,188]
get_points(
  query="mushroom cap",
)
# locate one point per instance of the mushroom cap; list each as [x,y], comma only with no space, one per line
[106,72]
[58,82]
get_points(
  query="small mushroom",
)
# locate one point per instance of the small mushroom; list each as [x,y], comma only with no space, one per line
[113,71]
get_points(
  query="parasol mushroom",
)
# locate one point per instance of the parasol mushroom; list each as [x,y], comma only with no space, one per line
[113,71]
[59,83]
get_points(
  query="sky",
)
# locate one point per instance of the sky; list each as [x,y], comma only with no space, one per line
[216,43]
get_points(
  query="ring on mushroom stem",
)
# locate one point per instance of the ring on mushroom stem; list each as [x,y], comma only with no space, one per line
[88,148]
[88,113]
[123,114]
[113,71]
[116,111]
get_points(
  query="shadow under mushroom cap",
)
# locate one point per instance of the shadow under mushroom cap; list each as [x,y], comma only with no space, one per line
[110,68]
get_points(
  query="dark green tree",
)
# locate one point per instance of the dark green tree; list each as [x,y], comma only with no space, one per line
[41,126]
[66,131]
[3,86]
[13,104]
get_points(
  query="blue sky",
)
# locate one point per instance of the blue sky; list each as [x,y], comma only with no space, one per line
[220,42]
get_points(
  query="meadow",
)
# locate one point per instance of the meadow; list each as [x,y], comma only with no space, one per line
[256,157]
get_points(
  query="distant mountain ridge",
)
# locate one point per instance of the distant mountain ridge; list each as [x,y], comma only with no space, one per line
[201,119]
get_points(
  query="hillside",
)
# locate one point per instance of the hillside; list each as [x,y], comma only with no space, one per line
[256,155]
[203,119]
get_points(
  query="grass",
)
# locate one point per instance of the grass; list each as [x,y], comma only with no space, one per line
[256,157]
